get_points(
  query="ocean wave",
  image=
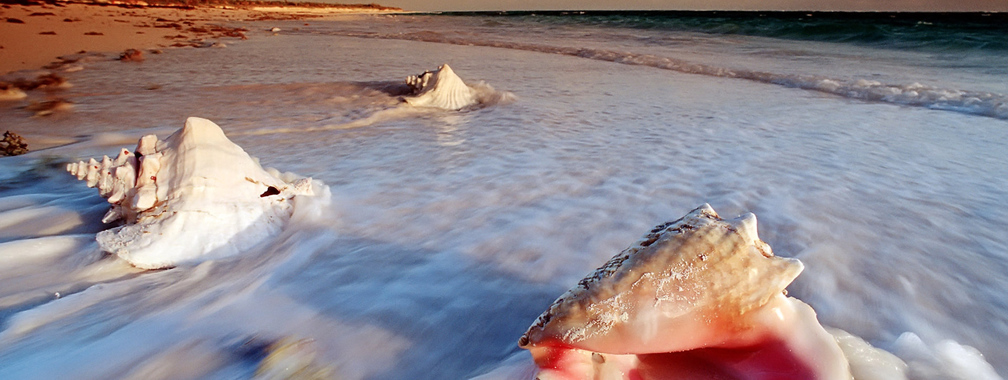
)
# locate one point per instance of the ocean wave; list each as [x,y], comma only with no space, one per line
[900,30]
[980,103]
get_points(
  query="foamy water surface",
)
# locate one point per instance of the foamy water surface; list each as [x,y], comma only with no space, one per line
[447,233]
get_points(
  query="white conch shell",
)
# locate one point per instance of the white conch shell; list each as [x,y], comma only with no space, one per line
[194,196]
[440,88]
[672,304]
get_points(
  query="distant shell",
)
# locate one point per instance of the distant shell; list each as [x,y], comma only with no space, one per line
[440,88]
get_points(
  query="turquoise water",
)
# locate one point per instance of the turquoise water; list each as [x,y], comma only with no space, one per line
[915,31]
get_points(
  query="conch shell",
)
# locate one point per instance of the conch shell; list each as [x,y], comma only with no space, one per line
[191,197]
[440,88]
[695,298]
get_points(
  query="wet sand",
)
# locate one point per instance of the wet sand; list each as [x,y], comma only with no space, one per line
[34,36]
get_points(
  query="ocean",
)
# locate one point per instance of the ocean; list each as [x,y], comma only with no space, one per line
[869,146]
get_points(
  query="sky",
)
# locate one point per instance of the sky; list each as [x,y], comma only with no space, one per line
[803,5]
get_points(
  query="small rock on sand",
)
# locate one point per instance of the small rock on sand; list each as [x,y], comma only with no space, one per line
[9,91]
[49,81]
[49,107]
[12,144]
[131,55]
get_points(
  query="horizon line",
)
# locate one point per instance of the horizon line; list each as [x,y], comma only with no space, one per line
[718,10]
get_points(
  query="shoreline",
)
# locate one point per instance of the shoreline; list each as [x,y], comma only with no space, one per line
[34,35]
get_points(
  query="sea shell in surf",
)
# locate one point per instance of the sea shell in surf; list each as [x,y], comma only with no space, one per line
[191,197]
[699,297]
[440,88]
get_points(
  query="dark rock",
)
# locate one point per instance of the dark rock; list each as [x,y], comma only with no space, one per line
[12,144]
[46,82]
[131,55]
[49,107]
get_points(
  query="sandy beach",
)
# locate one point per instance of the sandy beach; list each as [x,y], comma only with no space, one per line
[34,36]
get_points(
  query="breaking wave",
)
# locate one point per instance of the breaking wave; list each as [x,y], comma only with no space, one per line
[981,103]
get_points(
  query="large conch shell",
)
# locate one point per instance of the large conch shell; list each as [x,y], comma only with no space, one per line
[440,88]
[696,298]
[191,197]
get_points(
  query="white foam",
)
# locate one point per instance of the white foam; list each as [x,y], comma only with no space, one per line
[945,359]
[867,362]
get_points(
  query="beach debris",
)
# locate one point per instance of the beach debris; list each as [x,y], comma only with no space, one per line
[49,81]
[273,29]
[94,34]
[13,144]
[58,64]
[191,197]
[48,33]
[9,91]
[49,107]
[440,88]
[167,24]
[699,297]
[131,55]
[218,31]
[67,63]
[207,44]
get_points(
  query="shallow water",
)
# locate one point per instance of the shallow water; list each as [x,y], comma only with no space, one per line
[447,233]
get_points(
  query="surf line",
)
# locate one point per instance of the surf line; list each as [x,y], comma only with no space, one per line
[977,103]
[400,112]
